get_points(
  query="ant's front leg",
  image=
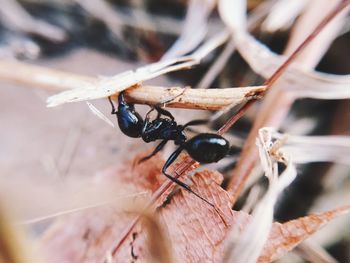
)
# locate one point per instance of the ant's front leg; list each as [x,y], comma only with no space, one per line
[161,111]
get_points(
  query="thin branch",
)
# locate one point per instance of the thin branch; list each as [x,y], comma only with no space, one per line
[209,99]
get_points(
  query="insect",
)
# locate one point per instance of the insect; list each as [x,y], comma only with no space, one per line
[204,147]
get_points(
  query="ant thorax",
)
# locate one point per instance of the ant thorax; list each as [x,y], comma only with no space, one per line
[162,129]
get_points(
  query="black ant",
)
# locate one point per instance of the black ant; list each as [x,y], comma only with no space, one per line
[204,147]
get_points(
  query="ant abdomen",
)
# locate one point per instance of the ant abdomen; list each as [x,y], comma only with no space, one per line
[207,147]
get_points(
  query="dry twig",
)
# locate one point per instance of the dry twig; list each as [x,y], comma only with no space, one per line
[209,99]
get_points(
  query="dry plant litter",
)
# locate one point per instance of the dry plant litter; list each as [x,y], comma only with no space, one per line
[130,212]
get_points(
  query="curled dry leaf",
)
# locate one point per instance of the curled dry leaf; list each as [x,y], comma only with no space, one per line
[192,231]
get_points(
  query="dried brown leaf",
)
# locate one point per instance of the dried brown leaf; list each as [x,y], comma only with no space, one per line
[284,237]
[196,231]
[91,233]
[192,230]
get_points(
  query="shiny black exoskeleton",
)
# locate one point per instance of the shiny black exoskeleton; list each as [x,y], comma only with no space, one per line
[162,128]
[207,147]
[204,147]
[129,121]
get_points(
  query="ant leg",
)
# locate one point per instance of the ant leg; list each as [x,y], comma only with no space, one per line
[163,112]
[113,108]
[155,151]
[148,113]
[121,98]
[170,160]
[146,121]
[195,122]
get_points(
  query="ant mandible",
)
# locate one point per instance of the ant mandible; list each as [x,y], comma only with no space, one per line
[203,148]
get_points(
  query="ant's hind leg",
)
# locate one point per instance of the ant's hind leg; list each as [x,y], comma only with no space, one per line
[170,160]
[155,151]
[113,108]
